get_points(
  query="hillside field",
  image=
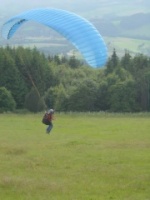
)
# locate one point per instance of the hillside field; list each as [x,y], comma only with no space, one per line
[61,46]
[92,156]
[134,46]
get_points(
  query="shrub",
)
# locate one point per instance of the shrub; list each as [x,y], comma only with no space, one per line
[7,102]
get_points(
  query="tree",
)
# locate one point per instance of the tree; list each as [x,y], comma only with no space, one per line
[34,68]
[73,62]
[102,96]
[123,97]
[11,79]
[123,86]
[50,97]
[7,102]
[141,66]
[112,63]
[56,97]
[34,102]
[126,61]
[83,97]
[61,100]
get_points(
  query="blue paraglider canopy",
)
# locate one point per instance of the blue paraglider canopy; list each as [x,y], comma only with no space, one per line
[80,32]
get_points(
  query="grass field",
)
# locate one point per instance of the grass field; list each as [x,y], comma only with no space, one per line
[89,156]
[133,45]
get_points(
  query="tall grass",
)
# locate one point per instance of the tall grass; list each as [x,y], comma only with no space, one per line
[87,156]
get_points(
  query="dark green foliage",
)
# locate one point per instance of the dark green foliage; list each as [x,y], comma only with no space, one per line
[50,97]
[112,63]
[7,102]
[21,69]
[73,62]
[34,102]
[66,85]
[11,78]
[83,97]
[122,96]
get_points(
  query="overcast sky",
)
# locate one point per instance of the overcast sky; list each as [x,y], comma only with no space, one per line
[9,7]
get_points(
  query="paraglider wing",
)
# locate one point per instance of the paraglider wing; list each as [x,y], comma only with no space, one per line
[80,32]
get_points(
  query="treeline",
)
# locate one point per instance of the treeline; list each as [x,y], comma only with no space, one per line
[30,80]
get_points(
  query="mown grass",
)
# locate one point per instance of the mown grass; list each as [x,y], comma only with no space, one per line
[87,156]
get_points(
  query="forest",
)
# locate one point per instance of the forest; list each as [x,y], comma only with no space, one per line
[31,81]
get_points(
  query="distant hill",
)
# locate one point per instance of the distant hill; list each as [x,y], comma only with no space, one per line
[134,26]
[117,20]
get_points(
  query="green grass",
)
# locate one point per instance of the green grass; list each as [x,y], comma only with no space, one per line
[87,156]
[134,45]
